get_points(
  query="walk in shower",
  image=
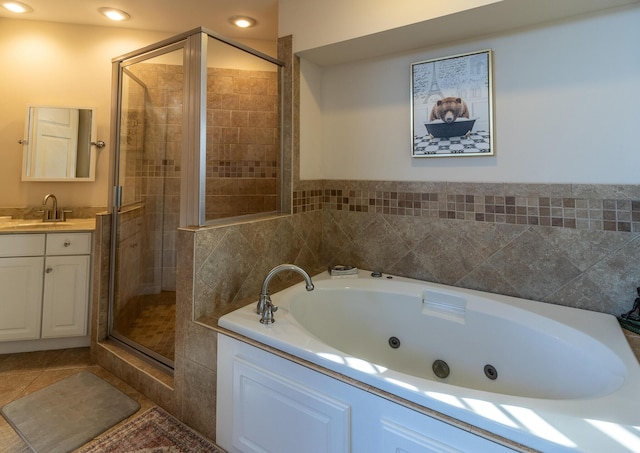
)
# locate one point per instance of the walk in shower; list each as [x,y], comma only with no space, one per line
[196,120]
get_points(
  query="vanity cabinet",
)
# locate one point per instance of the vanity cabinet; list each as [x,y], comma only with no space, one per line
[65,299]
[269,404]
[44,282]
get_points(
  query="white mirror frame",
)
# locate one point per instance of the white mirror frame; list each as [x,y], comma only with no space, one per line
[57,160]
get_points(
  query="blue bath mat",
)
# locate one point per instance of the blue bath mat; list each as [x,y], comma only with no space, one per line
[66,415]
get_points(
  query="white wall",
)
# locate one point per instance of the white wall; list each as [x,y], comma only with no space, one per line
[566,109]
[317,23]
[57,64]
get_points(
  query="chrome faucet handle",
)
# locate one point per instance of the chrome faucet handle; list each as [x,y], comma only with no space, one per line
[267,314]
[262,302]
[46,214]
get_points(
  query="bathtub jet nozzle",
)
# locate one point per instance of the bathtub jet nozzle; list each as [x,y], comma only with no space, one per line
[441,369]
[265,307]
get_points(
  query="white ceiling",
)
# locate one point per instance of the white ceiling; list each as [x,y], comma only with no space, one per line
[174,16]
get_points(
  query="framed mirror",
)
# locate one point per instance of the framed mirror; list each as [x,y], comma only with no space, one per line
[60,144]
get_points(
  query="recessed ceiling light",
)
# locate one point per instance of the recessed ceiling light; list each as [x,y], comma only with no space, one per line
[242,21]
[17,7]
[114,14]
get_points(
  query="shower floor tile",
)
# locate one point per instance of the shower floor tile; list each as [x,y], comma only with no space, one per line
[154,327]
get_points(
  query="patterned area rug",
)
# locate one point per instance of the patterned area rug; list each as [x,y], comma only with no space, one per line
[155,431]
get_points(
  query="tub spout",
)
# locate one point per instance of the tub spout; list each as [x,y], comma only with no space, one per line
[265,307]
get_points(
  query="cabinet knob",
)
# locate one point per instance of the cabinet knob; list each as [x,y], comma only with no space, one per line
[49,270]
[67,243]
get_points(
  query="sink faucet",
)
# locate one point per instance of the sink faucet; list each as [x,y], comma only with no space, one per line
[54,208]
[265,306]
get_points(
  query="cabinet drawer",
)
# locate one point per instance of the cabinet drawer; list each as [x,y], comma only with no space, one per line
[21,245]
[68,243]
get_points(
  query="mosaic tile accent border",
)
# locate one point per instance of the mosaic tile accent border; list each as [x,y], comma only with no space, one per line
[159,167]
[584,213]
[307,201]
[242,169]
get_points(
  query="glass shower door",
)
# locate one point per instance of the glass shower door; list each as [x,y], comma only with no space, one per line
[197,130]
[143,294]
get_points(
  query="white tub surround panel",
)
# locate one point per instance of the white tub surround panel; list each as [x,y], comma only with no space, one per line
[566,378]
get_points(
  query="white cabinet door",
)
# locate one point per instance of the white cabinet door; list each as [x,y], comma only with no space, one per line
[20,298]
[276,408]
[410,432]
[267,404]
[272,413]
[66,292]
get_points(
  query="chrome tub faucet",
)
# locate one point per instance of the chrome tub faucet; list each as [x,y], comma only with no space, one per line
[265,307]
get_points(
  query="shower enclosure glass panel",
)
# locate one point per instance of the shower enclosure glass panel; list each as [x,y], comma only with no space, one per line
[197,130]
[243,133]
[143,309]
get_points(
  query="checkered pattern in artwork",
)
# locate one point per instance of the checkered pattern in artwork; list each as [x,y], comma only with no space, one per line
[475,142]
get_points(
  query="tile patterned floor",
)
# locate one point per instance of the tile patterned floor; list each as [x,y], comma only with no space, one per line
[21,374]
[155,324]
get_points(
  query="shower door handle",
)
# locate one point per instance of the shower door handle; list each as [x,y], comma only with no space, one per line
[117,197]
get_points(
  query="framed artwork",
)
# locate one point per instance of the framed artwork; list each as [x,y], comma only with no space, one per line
[452,106]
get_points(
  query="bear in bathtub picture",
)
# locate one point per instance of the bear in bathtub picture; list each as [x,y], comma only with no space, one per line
[449,109]
[449,118]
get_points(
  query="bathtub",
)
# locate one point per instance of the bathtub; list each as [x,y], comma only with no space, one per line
[548,377]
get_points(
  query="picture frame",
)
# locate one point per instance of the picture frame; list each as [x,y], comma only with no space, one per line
[452,106]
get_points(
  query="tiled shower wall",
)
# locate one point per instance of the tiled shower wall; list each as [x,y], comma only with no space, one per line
[242,142]
[242,155]
[153,143]
[129,263]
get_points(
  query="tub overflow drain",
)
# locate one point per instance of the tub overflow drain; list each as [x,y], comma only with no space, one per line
[394,342]
[491,372]
[440,368]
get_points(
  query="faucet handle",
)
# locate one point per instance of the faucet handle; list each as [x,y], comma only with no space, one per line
[262,303]
[63,214]
[46,214]
[267,315]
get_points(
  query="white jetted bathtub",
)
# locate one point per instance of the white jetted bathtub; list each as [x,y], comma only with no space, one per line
[548,377]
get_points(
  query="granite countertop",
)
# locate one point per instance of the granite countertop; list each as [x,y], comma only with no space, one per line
[38,226]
